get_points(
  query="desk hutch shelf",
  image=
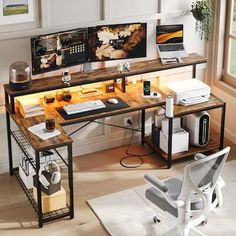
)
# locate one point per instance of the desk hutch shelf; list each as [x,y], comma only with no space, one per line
[126,92]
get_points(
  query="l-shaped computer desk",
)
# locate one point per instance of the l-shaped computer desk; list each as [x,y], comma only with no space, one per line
[130,94]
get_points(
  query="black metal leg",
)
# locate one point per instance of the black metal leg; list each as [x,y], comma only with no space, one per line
[39,196]
[143,127]
[123,85]
[194,71]
[170,142]
[12,104]
[9,143]
[70,179]
[222,128]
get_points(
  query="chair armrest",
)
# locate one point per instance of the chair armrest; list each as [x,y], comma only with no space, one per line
[153,180]
[199,156]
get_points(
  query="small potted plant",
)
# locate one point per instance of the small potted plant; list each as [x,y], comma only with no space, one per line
[202,12]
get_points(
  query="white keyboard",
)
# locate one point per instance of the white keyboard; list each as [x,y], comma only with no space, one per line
[83,107]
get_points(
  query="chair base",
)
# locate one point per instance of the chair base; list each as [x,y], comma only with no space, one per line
[180,231]
[184,230]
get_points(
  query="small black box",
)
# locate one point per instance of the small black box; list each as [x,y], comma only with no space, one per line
[52,188]
[155,135]
[108,87]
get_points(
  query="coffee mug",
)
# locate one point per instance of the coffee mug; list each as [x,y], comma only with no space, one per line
[50,124]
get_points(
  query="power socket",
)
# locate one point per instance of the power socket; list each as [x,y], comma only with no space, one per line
[126,120]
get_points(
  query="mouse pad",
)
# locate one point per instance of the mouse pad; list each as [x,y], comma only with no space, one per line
[109,107]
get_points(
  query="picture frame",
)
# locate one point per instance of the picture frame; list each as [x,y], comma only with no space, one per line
[16,11]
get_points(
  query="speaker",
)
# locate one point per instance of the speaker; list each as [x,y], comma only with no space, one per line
[169,106]
[198,126]
[146,88]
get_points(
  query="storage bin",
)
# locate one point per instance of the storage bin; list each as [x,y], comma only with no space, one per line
[52,202]
[180,141]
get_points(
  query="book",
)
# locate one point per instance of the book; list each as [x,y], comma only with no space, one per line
[29,107]
[32,114]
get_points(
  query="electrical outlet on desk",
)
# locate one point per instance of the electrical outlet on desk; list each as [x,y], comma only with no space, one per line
[127,120]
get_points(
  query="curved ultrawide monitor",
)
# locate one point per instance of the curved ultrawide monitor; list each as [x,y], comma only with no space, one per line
[59,50]
[113,42]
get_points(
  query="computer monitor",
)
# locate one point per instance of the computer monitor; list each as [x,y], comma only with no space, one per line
[59,50]
[169,34]
[120,41]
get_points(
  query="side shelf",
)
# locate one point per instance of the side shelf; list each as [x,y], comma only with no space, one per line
[52,215]
[179,111]
[212,145]
[62,163]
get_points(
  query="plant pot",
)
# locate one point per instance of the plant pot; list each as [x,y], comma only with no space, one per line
[198,15]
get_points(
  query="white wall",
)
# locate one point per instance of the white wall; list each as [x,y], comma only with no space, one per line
[230,125]
[59,15]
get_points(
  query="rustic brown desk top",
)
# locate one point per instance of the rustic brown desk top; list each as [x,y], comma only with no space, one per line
[104,74]
[37,143]
[132,97]
[213,103]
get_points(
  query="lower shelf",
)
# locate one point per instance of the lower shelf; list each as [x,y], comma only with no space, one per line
[212,145]
[53,215]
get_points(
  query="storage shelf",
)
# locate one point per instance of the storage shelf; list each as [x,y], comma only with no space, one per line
[212,145]
[25,146]
[104,74]
[52,215]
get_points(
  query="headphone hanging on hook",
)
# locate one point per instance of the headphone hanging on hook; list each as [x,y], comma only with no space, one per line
[55,175]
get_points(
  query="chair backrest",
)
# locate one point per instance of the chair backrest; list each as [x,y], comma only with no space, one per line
[200,178]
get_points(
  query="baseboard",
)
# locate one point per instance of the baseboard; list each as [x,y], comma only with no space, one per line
[228,133]
[79,150]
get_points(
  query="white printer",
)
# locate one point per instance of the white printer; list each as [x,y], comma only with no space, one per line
[188,92]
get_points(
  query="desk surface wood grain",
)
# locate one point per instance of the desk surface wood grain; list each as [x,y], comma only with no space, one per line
[133,97]
[103,74]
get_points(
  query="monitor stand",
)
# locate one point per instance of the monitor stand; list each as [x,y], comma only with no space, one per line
[87,67]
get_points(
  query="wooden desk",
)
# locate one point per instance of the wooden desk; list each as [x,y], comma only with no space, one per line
[129,93]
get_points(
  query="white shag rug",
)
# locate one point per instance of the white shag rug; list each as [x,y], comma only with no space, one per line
[129,213]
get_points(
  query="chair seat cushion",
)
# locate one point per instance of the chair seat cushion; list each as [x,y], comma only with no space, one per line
[174,187]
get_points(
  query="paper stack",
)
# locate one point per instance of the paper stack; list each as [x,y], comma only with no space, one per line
[29,107]
[40,131]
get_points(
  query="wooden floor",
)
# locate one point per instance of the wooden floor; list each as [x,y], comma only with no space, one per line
[95,175]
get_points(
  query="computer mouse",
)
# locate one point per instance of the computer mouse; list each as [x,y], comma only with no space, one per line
[112,101]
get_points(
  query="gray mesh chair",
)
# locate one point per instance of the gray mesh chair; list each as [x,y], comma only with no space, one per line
[190,198]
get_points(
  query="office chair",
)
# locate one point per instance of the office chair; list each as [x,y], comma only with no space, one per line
[190,198]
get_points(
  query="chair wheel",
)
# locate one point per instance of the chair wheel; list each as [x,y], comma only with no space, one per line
[204,222]
[156,220]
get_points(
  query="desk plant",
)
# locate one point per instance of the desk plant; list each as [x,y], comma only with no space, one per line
[202,12]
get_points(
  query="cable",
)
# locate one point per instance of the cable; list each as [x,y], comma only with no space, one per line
[138,156]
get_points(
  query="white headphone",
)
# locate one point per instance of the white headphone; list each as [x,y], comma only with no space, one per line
[55,178]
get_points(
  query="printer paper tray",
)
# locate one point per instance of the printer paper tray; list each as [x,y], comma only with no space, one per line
[193,101]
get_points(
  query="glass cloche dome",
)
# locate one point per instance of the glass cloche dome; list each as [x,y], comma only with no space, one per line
[20,75]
